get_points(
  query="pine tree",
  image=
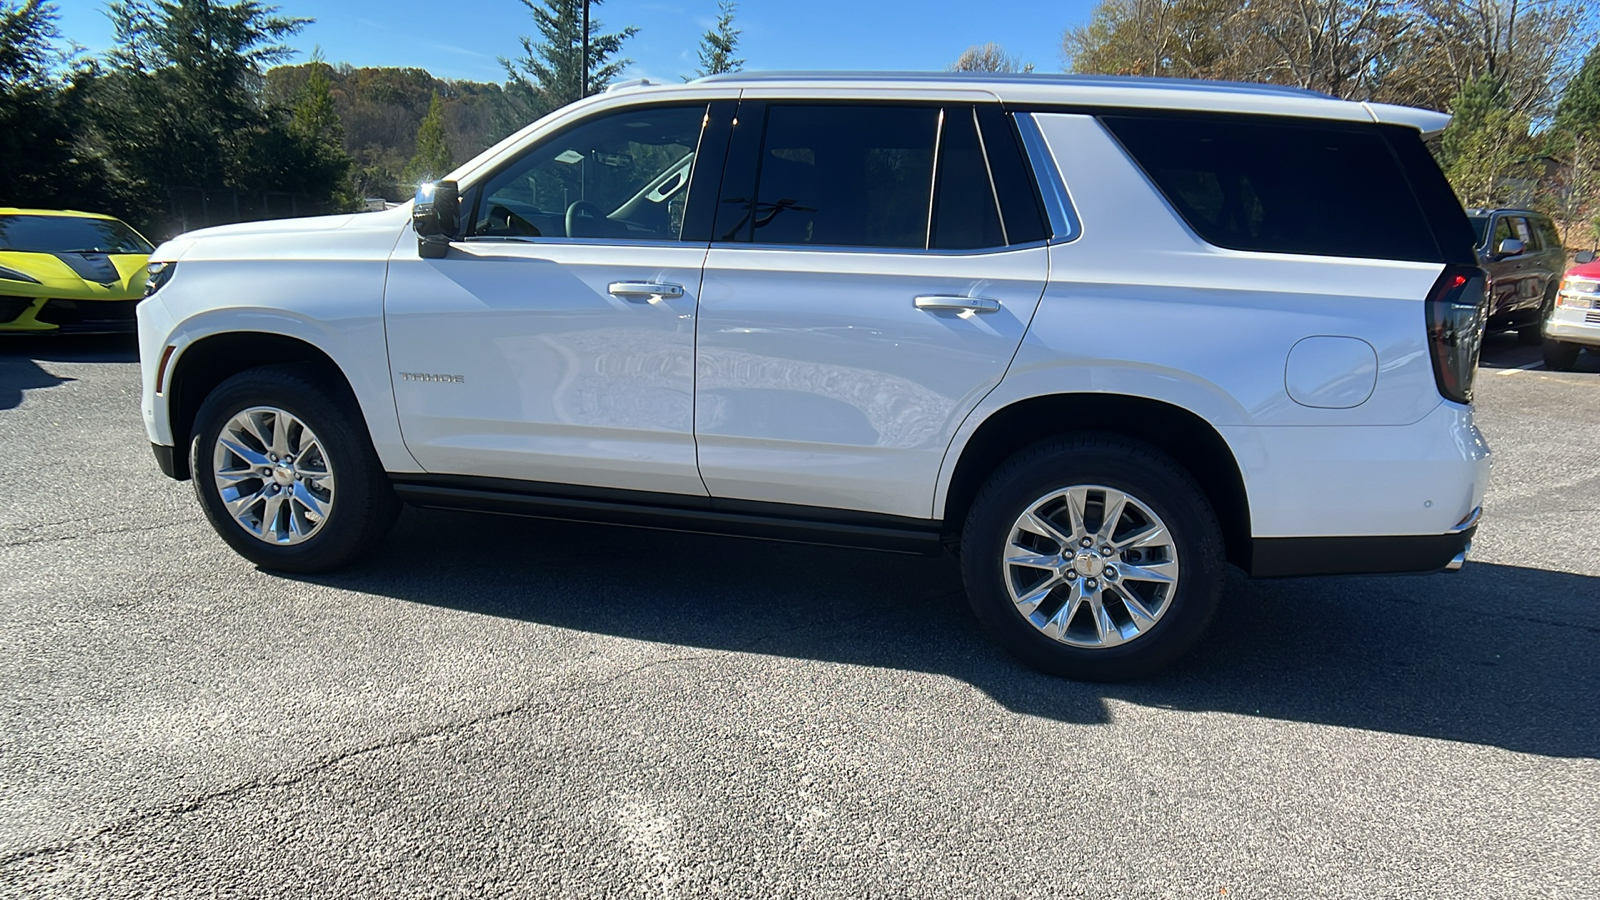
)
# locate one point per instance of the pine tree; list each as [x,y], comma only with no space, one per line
[42,158]
[718,45]
[550,73]
[315,123]
[1574,139]
[315,117]
[188,75]
[1486,152]
[1578,112]
[432,159]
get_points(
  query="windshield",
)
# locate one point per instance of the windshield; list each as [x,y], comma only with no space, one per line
[69,234]
[1480,225]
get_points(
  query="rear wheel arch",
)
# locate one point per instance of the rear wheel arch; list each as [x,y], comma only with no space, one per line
[1187,438]
[211,360]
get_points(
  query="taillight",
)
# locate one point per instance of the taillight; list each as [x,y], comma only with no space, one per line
[1456,316]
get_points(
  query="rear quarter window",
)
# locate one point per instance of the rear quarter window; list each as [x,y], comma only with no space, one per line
[1301,186]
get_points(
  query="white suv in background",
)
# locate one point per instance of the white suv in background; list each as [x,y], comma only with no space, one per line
[1100,336]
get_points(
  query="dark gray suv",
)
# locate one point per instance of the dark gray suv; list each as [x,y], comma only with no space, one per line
[1521,250]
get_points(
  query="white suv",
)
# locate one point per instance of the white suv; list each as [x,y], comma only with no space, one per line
[1101,337]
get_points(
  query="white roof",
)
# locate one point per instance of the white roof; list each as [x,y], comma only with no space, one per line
[1087,90]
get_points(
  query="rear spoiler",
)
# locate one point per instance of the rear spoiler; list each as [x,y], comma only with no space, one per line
[1426,121]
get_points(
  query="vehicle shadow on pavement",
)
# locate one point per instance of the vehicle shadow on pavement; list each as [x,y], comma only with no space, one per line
[1504,351]
[1463,658]
[83,348]
[19,373]
[19,355]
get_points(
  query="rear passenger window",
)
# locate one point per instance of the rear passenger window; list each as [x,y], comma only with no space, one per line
[1306,187]
[965,214]
[1549,238]
[854,176]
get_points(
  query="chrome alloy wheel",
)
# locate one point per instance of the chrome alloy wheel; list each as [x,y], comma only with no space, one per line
[1091,566]
[272,475]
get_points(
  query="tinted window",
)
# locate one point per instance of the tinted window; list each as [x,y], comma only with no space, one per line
[69,234]
[1480,227]
[1305,187]
[965,215]
[855,176]
[1550,239]
[1020,204]
[624,175]
[1502,232]
[1524,233]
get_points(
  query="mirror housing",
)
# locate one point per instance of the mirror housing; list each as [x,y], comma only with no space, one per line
[1584,257]
[435,217]
[1508,247]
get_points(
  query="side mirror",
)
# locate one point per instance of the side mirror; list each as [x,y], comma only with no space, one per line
[435,217]
[1509,247]
[1587,256]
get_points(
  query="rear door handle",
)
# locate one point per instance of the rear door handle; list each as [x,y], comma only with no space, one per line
[973,304]
[645,289]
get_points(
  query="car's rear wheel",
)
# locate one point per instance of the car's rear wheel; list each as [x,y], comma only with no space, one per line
[286,473]
[1096,558]
[1560,355]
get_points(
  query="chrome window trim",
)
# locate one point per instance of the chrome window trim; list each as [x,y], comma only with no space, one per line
[988,170]
[1064,223]
[897,251]
[533,241]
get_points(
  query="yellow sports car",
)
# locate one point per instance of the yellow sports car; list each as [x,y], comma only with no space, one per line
[64,271]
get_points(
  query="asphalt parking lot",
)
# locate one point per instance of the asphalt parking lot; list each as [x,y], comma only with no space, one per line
[500,707]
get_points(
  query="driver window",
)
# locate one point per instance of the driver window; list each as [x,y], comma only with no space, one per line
[1502,233]
[622,176]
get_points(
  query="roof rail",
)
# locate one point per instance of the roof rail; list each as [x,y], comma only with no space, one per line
[630,83]
[1016,78]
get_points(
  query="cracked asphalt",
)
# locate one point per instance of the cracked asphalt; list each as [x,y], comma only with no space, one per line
[496,707]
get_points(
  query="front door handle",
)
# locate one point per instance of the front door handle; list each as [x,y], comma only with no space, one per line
[645,289]
[970,304]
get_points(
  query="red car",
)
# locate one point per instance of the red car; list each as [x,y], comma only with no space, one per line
[1574,322]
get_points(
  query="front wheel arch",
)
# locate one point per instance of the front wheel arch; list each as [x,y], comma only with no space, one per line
[211,360]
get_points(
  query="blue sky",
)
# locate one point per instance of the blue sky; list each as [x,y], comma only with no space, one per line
[462,38]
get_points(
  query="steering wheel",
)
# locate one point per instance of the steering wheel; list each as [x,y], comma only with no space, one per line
[589,210]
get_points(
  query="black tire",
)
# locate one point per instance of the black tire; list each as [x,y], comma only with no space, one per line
[365,506]
[1533,335]
[1560,355]
[1124,465]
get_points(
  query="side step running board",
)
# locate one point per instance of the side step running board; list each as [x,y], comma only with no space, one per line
[803,524]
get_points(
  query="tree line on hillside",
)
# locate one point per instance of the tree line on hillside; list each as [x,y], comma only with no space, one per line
[193,118]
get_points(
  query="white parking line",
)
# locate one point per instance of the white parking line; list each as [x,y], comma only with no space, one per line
[1513,371]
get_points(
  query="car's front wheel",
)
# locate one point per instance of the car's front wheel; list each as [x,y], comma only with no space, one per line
[1096,558]
[286,473]
[1532,334]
